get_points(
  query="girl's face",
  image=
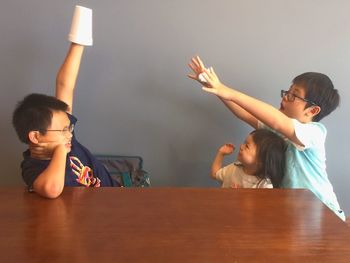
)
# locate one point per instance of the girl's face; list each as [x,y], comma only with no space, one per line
[248,154]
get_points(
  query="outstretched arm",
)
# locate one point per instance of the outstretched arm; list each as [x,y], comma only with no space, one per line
[241,113]
[198,68]
[262,111]
[67,75]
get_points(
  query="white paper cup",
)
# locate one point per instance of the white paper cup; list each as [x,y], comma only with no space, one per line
[202,78]
[81,28]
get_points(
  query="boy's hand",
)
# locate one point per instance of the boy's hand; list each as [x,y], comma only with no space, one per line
[198,68]
[227,149]
[213,85]
[208,78]
[45,150]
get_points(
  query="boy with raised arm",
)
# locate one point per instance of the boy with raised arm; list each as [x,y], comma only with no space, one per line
[55,158]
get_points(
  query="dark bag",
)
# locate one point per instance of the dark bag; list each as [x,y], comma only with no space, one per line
[126,170]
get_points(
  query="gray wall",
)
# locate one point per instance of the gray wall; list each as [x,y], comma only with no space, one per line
[133,96]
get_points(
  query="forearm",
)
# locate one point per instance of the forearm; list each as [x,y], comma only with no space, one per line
[264,112]
[50,182]
[68,73]
[217,164]
[240,113]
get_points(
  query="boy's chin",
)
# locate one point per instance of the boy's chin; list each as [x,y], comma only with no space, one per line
[284,112]
[68,147]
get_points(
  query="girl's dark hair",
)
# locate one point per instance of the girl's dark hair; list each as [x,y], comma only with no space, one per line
[34,113]
[320,90]
[271,149]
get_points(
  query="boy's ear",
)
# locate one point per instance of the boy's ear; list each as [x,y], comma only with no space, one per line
[34,136]
[314,110]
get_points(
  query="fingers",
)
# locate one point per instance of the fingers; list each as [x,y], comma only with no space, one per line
[213,72]
[202,78]
[230,147]
[198,64]
[201,64]
[206,75]
[192,76]
[227,149]
[193,67]
[195,61]
[210,72]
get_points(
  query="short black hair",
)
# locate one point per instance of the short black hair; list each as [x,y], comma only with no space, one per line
[34,113]
[271,155]
[320,90]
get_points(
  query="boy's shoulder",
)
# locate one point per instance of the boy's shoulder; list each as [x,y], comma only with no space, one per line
[311,126]
[312,135]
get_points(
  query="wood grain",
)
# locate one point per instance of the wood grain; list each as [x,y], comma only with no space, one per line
[170,225]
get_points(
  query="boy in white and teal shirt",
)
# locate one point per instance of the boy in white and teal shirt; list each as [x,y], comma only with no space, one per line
[310,98]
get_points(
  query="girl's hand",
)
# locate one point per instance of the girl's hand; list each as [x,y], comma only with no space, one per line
[227,149]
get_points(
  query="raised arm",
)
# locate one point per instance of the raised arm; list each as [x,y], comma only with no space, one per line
[67,75]
[224,150]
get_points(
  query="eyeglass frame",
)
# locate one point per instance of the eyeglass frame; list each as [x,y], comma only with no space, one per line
[70,129]
[285,93]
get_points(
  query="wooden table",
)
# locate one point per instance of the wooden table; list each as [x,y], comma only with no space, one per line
[170,225]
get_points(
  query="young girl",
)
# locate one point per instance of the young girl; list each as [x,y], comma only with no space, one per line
[261,162]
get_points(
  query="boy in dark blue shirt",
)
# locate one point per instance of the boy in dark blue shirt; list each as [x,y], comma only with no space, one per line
[55,158]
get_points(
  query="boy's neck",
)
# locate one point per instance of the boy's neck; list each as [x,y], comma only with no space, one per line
[305,119]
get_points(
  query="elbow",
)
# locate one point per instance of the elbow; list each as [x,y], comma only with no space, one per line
[60,82]
[213,173]
[276,126]
[51,191]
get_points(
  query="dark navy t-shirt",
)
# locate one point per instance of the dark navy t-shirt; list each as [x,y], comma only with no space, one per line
[82,168]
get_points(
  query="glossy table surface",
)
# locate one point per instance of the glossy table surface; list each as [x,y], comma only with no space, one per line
[170,225]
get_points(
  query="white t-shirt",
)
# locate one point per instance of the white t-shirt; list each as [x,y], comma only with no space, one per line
[233,176]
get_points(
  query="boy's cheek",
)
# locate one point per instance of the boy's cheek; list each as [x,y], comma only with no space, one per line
[53,144]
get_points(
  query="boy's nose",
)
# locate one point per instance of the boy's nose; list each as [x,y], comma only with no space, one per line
[284,98]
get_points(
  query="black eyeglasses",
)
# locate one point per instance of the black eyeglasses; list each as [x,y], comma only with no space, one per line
[64,131]
[291,97]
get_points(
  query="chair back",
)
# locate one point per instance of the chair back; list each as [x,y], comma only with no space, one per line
[127,170]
